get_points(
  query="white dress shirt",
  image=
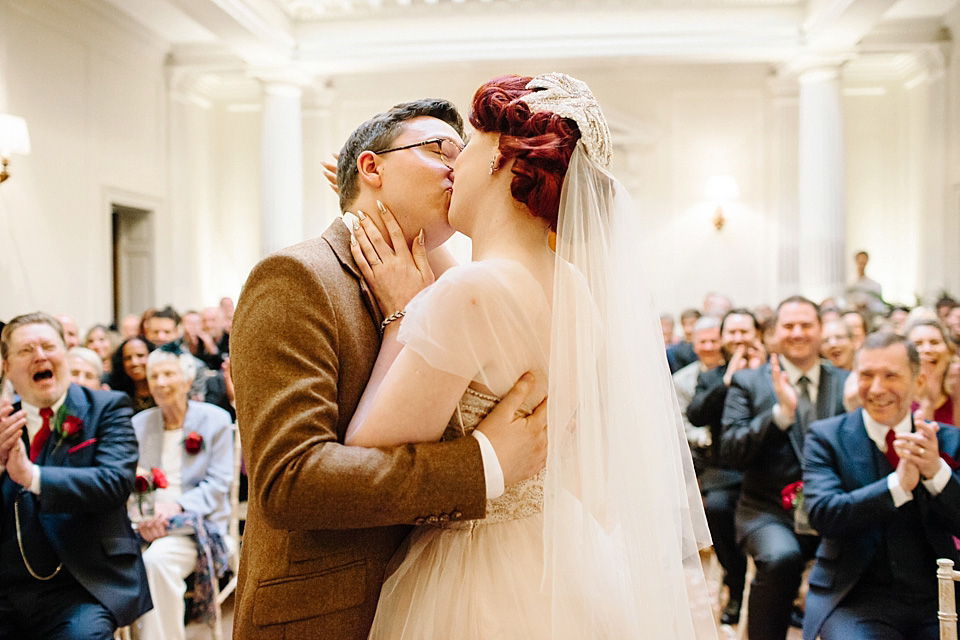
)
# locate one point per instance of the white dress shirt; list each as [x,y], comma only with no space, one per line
[34,423]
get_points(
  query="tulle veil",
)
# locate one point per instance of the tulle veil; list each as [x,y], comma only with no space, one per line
[621,500]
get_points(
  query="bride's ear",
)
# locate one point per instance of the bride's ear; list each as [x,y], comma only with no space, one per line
[369,169]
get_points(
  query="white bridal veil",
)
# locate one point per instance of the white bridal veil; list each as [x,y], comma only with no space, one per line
[623,516]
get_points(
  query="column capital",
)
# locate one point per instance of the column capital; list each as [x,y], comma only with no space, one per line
[282,81]
[816,66]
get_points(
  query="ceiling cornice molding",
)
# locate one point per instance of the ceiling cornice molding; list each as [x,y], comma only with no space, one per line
[109,32]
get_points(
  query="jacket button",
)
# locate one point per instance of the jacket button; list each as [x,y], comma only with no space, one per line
[444,518]
[419,521]
[433,520]
[456,515]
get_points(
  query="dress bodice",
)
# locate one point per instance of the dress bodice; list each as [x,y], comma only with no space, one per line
[519,500]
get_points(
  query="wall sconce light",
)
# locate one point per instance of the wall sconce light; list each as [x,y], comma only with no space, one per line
[721,189]
[13,139]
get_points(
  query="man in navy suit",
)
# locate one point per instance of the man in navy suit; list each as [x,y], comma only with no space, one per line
[886,503]
[70,566]
[765,416]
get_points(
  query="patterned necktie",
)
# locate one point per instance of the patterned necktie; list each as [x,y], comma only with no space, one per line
[42,436]
[892,456]
[805,410]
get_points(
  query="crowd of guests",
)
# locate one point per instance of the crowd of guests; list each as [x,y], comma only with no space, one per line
[166,421]
[824,431]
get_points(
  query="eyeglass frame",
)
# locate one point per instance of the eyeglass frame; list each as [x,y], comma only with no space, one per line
[438,141]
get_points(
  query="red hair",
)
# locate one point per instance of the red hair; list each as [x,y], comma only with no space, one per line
[540,144]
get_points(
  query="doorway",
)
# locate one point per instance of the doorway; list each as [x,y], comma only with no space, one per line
[133,260]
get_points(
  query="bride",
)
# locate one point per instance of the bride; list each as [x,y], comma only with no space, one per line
[603,543]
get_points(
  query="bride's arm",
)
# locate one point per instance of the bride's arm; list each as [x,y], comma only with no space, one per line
[405,400]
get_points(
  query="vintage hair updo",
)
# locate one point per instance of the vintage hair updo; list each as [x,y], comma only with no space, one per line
[540,144]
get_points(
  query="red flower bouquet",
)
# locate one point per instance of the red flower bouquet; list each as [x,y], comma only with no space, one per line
[144,485]
[193,443]
[792,495]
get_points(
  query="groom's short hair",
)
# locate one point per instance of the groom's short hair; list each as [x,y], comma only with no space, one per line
[379,132]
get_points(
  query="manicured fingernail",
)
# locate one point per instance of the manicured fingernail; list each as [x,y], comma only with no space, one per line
[420,237]
[353,240]
[356,226]
[361,215]
[381,208]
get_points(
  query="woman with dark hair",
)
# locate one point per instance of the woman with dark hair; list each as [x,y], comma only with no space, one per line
[128,372]
[603,543]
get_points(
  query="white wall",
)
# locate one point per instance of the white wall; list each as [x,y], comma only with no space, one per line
[92,91]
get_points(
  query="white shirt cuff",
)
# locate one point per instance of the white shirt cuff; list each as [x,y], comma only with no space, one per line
[35,483]
[779,419]
[936,484]
[492,473]
[899,494]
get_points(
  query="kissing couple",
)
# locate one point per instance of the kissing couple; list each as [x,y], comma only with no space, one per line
[408,477]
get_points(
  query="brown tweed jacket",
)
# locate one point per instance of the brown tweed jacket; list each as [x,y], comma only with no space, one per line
[324,519]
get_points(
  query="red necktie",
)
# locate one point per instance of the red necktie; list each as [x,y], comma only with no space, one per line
[892,456]
[42,436]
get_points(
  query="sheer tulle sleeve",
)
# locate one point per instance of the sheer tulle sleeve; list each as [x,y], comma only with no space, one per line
[486,321]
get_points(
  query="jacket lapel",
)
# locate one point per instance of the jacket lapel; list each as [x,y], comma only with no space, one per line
[826,394]
[858,446]
[338,237]
[54,453]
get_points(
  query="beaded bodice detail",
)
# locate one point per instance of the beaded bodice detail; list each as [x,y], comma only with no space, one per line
[520,500]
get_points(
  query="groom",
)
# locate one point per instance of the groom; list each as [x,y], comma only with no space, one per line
[324,519]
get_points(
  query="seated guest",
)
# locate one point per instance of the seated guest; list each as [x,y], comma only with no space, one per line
[953,324]
[71,332]
[719,485]
[103,341]
[858,326]
[192,443]
[885,502]
[944,305]
[162,327]
[681,353]
[667,327]
[939,399]
[70,566]
[765,416]
[85,368]
[897,318]
[214,325]
[129,373]
[706,346]
[836,343]
[199,343]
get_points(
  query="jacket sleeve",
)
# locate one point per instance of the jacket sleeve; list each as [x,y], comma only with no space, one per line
[284,358]
[947,503]
[706,407]
[835,512]
[743,432]
[107,482]
[214,488]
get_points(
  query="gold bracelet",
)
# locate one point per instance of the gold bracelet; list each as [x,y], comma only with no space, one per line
[396,315]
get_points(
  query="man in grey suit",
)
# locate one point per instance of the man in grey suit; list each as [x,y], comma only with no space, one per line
[765,417]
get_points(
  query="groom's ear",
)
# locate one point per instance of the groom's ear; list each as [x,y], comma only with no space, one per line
[369,169]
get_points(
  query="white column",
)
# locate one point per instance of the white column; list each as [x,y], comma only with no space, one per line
[782,180]
[821,183]
[281,167]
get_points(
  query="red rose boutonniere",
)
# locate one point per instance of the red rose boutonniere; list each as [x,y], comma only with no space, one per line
[193,443]
[792,495]
[66,426]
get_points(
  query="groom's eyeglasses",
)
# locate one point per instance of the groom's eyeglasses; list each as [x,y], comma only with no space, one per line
[447,149]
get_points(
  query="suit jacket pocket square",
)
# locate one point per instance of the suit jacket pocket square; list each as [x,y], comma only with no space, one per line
[85,443]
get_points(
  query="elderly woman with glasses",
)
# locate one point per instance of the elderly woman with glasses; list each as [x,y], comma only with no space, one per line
[192,443]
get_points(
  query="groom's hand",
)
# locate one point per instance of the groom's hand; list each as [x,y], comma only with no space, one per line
[520,442]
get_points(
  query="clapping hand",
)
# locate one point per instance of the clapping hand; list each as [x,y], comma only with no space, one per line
[11,429]
[786,395]
[394,273]
[920,448]
[330,173]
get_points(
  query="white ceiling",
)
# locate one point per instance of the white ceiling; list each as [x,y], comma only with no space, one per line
[326,38]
